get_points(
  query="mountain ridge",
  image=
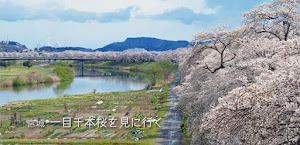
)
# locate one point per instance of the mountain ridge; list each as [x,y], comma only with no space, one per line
[11,46]
[146,43]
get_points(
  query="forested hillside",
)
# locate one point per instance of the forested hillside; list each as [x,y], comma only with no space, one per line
[149,44]
[11,46]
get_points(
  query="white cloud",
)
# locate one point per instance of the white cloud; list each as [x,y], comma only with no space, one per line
[39,4]
[143,7]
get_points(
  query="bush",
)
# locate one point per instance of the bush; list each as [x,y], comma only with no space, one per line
[28,64]
[153,100]
[48,80]
[167,67]
[63,71]
[30,82]
[18,82]
[153,73]
[5,63]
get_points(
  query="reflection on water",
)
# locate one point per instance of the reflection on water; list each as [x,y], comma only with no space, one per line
[100,80]
[61,87]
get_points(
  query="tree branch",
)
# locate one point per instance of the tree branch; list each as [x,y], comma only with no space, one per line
[213,71]
[274,34]
[234,55]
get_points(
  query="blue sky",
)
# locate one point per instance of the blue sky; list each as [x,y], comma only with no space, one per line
[95,23]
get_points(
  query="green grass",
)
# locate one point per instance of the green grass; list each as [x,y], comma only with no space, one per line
[83,129]
[152,133]
[187,138]
[139,66]
[49,133]
[65,134]
[128,64]
[56,135]
[15,73]
[41,107]
[18,82]
[63,71]
[17,70]
[70,141]
[153,100]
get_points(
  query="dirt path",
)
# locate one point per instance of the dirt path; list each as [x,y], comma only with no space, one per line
[170,132]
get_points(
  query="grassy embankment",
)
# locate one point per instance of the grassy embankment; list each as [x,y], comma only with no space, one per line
[71,141]
[18,75]
[187,138]
[130,66]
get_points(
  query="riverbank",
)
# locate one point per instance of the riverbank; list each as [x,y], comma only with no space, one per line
[18,75]
[136,104]
[72,141]
[112,65]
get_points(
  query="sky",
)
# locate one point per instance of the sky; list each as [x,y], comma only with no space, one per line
[96,23]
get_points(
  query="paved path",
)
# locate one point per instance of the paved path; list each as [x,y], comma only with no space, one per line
[170,132]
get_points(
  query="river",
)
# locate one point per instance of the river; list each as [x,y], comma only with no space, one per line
[101,82]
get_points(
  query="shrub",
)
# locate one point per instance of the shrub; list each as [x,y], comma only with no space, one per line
[153,100]
[153,73]
[18,82]
[63,71]
[30,82]
[167,67]
[28,64]
[48,80]
[4,64]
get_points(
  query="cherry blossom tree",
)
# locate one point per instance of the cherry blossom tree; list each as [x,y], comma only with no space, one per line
[265,112]
[218,39]
[278,18]
[256,99]
[125,56]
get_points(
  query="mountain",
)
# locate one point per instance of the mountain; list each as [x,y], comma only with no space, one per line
[11,46]
[61,49]
[131,44]
[149,44]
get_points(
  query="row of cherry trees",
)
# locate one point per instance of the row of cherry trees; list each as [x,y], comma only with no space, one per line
[243,86]
[125,56]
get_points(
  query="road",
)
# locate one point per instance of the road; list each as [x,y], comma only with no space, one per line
[170,132]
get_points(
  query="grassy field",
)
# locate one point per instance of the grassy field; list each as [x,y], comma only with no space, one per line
[144,103]
[124,64]
[133,66]
[69,141]
[18,75]
[18,70]
[141,105]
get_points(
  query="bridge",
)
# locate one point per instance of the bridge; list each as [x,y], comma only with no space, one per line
[56,58]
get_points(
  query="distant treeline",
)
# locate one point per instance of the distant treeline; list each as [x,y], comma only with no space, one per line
[61,49]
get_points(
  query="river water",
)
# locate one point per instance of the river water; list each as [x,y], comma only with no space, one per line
[102,82]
